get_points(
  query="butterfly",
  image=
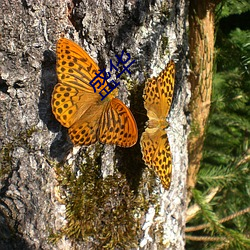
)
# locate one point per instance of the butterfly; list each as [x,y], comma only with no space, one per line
[78,106]
[157,95]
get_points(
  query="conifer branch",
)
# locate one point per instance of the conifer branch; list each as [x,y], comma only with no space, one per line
[230,217]
[205,238]
[245,159]
[194,209]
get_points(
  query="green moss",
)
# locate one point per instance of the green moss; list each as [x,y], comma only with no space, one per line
[28,133]
[195,129]
[164,10]
[19,140]
[105,212]
[5,160]
[129,83]
[164,45]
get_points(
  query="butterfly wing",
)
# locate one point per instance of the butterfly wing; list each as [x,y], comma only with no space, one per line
[156,154]
[158,93]
[75,68]
[69,104]
[117,125]
[85,130]
[73,95]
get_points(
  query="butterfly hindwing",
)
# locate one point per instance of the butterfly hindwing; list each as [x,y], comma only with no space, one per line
[118,125]
[156,154]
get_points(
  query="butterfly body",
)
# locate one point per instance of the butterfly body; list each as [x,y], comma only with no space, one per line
[158,93]
[78,106]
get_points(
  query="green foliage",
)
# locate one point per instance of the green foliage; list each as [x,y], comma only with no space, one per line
[218,176]
[230,7]
[207,211]
[226,153]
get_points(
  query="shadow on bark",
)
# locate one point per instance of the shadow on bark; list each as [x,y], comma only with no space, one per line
[61,145]
[9,239]
[130,159]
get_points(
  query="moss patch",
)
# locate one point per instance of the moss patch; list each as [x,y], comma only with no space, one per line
[20,140]
[103,212]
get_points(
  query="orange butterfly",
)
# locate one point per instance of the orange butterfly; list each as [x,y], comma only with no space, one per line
[158,93]
[77,107]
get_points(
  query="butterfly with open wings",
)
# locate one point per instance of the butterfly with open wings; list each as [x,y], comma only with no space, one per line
[79,108]
[158,94]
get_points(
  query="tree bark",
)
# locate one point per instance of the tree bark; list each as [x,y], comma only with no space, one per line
[41,171]
[201,41]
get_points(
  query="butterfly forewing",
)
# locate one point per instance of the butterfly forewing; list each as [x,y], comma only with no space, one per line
[166,87]
[158,92]
[74,66]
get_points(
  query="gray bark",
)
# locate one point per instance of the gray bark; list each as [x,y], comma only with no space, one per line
[32,142]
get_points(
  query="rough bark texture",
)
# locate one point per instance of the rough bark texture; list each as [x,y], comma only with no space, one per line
[201,41]
[32,142]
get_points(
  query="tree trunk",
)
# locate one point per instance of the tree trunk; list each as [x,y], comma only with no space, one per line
[201,40]
[54,196]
